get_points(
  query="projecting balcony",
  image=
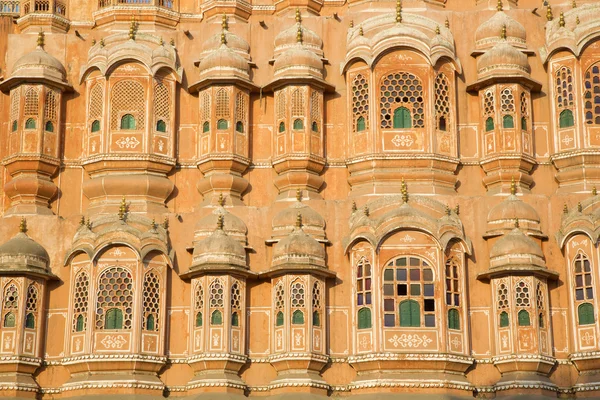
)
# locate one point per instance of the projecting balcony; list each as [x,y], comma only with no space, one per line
[164,13]
[37,14]
[10,7]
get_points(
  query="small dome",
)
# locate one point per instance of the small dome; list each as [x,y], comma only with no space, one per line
[234,42]
[219,249]
[488,34]
[298,60]
[232,225]
[31,64]
[516,244]
[21,253]
[289,38]
[224,62]
[513,208]
[285,221]
[298,248]
[503,57]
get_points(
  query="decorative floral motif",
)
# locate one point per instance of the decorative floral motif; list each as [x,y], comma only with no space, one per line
[128,142]
[113,342]
[410,341]
[403,141]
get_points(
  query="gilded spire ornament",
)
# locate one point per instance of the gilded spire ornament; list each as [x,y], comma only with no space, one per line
[404,191]
[457,210]
[513,187]
[579,207]
[437,30]
[298,195]
[223,38]
[549,15]
[172,42]
[23,225]
[447,23]
[132,29]
[503,33]
[101,42]
[516,222]
[221,200]
[366,211]
[499,6]
[360,31]
[577,21]
[351,23]
[162,42]
[224,24]
[299,220]
[166,223]
[82,221]
[89,224]
[594,191]
[398,11]
[354,207]
[93,42]
[40,39]
[122,209]
[561,20]
[153,224]
[299,34]
[574,4]
[565,209]
[220,222]
[298,16]
[448,210]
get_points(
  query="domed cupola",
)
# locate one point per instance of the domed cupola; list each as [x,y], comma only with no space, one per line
[233,41]
[233,226]
[22,255]
[486,36]
[312,222]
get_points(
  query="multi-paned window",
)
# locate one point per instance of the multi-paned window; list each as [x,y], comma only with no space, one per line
[297,298]
[364,294]
[592,95]
[10,305]
[31,306]
[317,304]
[199,305]
[584,290]
[401,101]
[564,96]
[216,293]
[360,103]
[279,304]
[489,110]
[236,300]
[453,293]
[150,319]
[442,102]
[503,305]
[114,307]
[523,303]
[80,301]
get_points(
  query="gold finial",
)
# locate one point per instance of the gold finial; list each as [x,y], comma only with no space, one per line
[561,20]
[132,29]
[153,224]
[82,221]
[298,195]
[360,31]
[594,191]
[166,223]
[351,23]
[366,211]
[565,209]
[549,15]
[220,221]
[40,39]
[224,24]
[574,4]
[404,191]
[162,42]
[172,42]
[398,11]
[299,220]
[499,6]
[577,21]
[23,225]
[503,33]
[513,187]
[516,222]
[457,210]
[448,210]
[579,207]
[298,16]
[221,200]
[447,23]
[223,38]
[299,34]
[93,42]
[437,30]
[354,207]
[101,42]
[122,209]
[89,224]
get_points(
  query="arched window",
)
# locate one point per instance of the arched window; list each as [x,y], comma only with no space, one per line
[198,303]
[281,127]
[298,317]
[504,321]
[452,283]
[198,319]
[161,126]
[279,319]
[453,319]
[216,318]
[279,303]
[79,323]
[30,123]
[95,126]
[205,127]
[360,124]
[162,106]
[489,124]
[297,103]
[298,124]
[9,320]
[584,289]
[592,95]
[442,101]
[10,305]
[523,318]
[80,301]
[541,320]
[127,122]
[508,122]
[402,118]
[222,124]
[410,313]
[566,119]
[316,304]
[222,104]
[364,318]
[315,127]
[49,126]
[151,301]
[408,278]
[96,106]
[113,319]
[14,126]
[585,313]
[442,124]
[31,306]
[235,319]
[239,127]
[236,303]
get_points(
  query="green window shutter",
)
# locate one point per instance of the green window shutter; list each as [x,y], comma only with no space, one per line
[298,317]
[298,124]
[316,318]
[586,314]
[216,318]
[150,322]
[281,127]
[9,320]
[315,127]
[402,118]
[279,319]
[523,123]
[489,124]
[30,124]
[503,319]
[523,318]
[364,318]
[222,124]
[410,314]
[205,127]
[113,319]
[49,127]
[30,321]
[453,319]
[95,126]
[79,324]
[239,127]
[541,320]
[127,122]
[198,320]
[565,119]
[415,314]
[360,124]
[161,126]
[14,126]
[508,122]
[442,124]
[235,319]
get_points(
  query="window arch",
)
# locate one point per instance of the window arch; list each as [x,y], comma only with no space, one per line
[217,302]
[115,292]
[30,123]
[504,320]
[128,122]
[592,95]
[222,103]
[508,122]
[205,127]
[161,126]
[585,314]
[566,119]
[51,105]
[281,127]
[361,124]
[15,103]
[524,110]
[151,304]
[503,304]
[198,319]
[401,89]
[79,324]
[10,320]
[10,306]
[564,96]
[297,104]
[216,318]
[31,106]
[80,301]
[364,318]
[49,127]
[489,124]
[315,127]
[14,126]
[402,118]
[298,317]
[222,124]
[452,283]
[360,102]
[95,126]
[489,110]
[298,124]
[279,319]
[524,319]
[199,303]
[239,127]
[408,278]
[582,270]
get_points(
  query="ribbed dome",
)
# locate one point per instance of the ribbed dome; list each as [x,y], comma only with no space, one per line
[219,249]
[234,42]
[289,38]
[285,221]
[23,245]
[224,61]
[488,34]
[36,59]
[298,60]
[232,225]
[299,248]
[512,208]
[503,57]
[516,243]
[21,254]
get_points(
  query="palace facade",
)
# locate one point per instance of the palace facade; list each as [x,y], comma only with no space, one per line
[327,198]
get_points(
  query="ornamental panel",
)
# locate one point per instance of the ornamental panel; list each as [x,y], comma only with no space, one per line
[407,340]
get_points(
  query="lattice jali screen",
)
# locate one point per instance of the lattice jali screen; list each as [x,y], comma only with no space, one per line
[297,295]
[96,102]
[564,88]
[316,296]
[280,107]
[32,96]
[51,106]
[162,103]
[279,297]
[524,105]
[128,98]
[199,297]
[522,294]
[31,304]
[442,97]
[222,105]
[540,296]
[115,290]
[592,95]
[298,103]
[488,103]
[205,106]
[216,294]
[315,107]
[507,101]
[10,303]
[15,97]
[401,89]
[503,301]
[151,300]
[360,100]
[241,107]
[80,299]
[236,297]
